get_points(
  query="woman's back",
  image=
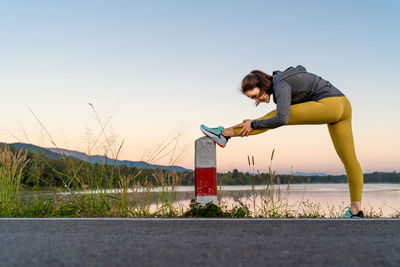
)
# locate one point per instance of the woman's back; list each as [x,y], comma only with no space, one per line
[305,86]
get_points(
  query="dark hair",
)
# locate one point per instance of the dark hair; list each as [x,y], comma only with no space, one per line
[257,78]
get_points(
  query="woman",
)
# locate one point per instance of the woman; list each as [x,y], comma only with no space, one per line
[301,98]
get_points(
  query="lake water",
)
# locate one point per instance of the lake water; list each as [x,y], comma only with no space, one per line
[379,198]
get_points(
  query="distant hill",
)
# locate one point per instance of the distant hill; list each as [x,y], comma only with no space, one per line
[57,153]
[36,149]
[103,159]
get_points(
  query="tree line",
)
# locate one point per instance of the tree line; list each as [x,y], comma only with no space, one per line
[43,172]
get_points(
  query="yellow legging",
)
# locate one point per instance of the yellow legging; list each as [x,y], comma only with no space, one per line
[336,113]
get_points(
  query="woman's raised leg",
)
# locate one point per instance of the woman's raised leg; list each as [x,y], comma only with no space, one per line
[326,110]
[234,130]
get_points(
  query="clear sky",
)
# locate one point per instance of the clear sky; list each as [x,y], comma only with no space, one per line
[161,68]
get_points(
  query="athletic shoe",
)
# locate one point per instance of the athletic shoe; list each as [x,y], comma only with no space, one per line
[349,215]
[215,134]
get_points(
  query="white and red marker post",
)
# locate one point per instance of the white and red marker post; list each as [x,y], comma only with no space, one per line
[205,171]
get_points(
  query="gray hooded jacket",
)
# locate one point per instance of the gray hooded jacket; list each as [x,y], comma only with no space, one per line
[293,86]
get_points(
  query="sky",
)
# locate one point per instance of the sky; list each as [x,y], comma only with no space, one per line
[151,72]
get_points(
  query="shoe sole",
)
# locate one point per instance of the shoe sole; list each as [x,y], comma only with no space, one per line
[210,135]
[219,144]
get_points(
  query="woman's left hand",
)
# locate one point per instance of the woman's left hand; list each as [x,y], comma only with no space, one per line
[246,128]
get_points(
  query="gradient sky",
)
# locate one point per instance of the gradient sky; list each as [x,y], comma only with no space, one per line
[162,68]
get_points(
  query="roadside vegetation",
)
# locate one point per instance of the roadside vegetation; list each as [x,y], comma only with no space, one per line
[76,188]
[87,193]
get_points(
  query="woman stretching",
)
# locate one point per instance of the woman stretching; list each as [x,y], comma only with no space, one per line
[301,97]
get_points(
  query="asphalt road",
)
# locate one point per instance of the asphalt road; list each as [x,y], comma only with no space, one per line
[195,242]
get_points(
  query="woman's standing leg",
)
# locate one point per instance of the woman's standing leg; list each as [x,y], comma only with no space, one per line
[342,137]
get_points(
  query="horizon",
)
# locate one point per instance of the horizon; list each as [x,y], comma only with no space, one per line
[151,73]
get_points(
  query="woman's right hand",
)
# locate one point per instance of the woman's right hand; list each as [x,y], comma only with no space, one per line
[246,128]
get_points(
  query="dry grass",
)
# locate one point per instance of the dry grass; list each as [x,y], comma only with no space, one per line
[11,171]
[135,199]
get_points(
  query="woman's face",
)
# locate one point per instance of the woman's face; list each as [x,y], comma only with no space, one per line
[255,94]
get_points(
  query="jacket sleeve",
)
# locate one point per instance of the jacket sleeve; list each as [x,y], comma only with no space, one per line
[283,94]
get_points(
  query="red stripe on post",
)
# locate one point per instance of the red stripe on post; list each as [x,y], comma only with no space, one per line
[205,182]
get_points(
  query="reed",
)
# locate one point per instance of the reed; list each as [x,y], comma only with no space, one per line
[11,172]
[273,202]
[91,190]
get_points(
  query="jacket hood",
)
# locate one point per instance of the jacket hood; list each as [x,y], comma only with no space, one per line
[279,75]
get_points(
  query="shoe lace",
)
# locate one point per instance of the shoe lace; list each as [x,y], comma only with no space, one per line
[217,130]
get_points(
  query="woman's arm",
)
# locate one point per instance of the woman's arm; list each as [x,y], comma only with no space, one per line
[283,94]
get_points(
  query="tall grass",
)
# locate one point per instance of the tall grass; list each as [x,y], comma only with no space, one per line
[89,188]
[11,171]
[135,199]
[273,202]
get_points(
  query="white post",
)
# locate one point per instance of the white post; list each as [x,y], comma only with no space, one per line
[205,171]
